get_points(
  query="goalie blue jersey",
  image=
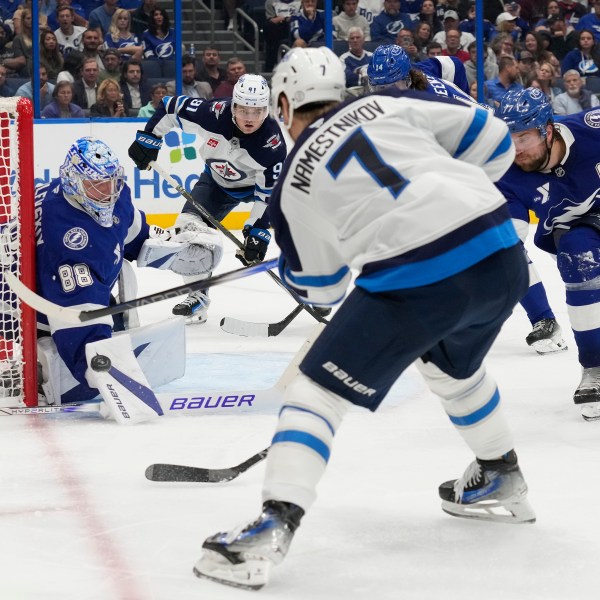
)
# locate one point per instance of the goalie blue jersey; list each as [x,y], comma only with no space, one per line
[565,193]
[78,262]
[397,186]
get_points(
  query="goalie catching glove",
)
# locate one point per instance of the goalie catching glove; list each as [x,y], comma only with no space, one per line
[256,242]
[145,149]
[188,248]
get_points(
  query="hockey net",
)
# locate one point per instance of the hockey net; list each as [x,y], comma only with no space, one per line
[18,364]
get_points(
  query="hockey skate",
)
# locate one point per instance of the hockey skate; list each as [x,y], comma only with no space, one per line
[489,490]
[546,337]
[194,307]
[588,394]
[243,557]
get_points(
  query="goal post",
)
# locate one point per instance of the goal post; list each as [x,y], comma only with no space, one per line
[18,357]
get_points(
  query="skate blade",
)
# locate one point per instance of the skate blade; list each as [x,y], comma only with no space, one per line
[515,513]
[591,411]
[251,574]
[549,346]
[196,319]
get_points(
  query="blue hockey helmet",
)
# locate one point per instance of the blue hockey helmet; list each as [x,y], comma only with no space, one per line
[526,109]
[92,176]
[389,64]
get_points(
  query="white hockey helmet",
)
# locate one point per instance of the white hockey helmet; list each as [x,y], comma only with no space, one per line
[307,75]
[251,90]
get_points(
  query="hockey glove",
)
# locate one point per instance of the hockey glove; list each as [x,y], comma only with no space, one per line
[145,149]
[256,242]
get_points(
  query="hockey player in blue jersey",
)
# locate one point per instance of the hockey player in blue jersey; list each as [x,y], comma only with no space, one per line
[399,187]
[444,76]
[441,76]
[556,175]
[86,225]
[243,150]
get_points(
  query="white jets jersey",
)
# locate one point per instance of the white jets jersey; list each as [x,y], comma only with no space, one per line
[241,164]
[396,185]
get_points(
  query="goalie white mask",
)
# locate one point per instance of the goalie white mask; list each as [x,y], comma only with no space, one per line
[92,176]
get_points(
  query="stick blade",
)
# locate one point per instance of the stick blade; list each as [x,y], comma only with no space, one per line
[244,328]
[181,473]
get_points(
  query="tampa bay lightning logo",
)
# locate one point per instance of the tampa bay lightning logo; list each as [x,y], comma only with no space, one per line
[226,170]
[165,50]
[592,119]
[75,239]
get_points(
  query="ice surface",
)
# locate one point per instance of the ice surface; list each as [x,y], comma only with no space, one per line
[78,520]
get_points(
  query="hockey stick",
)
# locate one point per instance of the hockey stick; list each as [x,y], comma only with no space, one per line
[72,315]
[217,225]
[182,473]
[248,329]
[166,472]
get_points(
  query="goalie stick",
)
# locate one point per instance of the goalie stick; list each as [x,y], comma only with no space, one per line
[72,315]
[248,329]
[210,219]
[181,473]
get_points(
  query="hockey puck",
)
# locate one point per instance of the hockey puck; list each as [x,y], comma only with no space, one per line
[100,363]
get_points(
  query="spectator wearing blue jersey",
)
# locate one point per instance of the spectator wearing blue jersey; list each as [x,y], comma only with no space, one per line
[356,59]
[101,17]
[385,26]
[591,22]
[585,58]
[120,37]
[159,39]
[308,26]
[507,80]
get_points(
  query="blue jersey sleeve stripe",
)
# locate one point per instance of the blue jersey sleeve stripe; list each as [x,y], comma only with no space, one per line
[477,124]
[444,265]
[480,414]
[502,147]
[305,439]
[317,280]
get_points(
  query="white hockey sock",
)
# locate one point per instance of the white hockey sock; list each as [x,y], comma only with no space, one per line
[300,449]
[474,407]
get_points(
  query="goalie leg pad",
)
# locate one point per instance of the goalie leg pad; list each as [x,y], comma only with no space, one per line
[473,405]
[128,290]
[300,449]
[115,372]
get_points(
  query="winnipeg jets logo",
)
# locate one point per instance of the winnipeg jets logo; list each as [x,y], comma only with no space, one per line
[212,142]
[218,108]
[225,170]
[75,239]
[273,142]
[543,190]
[118,254]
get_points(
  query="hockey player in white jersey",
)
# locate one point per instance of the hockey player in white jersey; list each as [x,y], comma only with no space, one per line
[87,230]
[243,150]
[397,186]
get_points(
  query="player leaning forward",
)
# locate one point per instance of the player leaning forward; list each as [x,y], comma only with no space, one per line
[243,151]
[87,230]
[398,186]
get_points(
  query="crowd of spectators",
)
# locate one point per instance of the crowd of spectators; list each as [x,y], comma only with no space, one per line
[103,48]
